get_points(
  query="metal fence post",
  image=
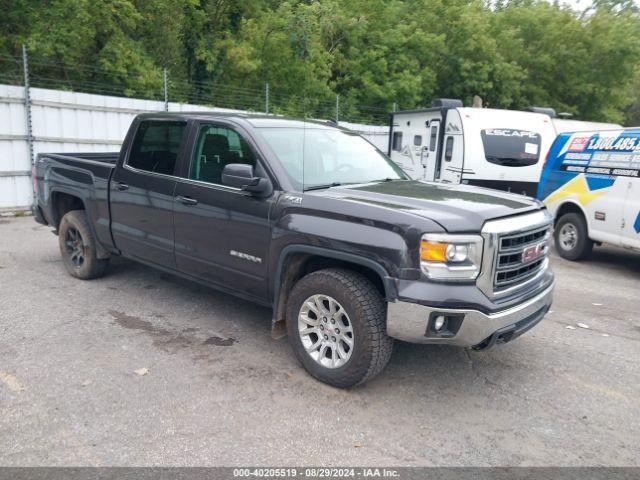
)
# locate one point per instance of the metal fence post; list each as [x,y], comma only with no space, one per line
[166,89]
[27,103]
[337,108]
[266,98]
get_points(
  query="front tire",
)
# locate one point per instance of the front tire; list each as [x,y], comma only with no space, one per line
[78,247]
[572,237]
[336,323]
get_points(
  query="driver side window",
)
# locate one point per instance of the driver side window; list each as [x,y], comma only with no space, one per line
[217,147]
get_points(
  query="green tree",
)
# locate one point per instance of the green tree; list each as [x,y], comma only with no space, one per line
[372,53]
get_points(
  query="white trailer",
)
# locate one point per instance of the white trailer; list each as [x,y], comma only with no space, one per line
[499,149]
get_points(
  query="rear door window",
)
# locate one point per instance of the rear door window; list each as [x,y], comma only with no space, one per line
[156,145]
[511,148]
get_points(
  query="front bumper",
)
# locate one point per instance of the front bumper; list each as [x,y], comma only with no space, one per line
[413,322]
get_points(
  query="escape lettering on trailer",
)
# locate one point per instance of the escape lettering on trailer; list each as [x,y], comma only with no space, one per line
[506,132]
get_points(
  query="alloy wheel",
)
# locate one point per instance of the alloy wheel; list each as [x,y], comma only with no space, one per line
[75,247]
[326,331]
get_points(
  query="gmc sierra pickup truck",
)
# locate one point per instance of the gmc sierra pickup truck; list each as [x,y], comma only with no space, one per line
[312,221]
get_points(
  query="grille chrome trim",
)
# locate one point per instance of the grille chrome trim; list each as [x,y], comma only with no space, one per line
[536,236]
[507,239]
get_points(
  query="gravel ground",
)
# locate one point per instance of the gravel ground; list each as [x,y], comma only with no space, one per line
[142,368]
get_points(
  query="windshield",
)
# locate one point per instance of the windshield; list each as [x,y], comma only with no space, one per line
[318,157]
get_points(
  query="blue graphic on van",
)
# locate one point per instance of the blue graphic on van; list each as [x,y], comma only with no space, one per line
[636,226]
[597,183]
[599,157]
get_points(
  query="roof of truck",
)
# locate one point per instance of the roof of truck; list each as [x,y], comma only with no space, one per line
[254,119]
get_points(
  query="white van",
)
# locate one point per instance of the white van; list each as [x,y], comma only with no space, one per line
[591,185]
[500,149]
[563,125]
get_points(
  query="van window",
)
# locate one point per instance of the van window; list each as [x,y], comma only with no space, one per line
[417,140]
[396,144]
[156,145]
[434,138]
[511,148]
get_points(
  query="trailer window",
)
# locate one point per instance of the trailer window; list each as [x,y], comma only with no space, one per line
[511,148]
[155,147]
[417,140]
[448,149]
[396,144]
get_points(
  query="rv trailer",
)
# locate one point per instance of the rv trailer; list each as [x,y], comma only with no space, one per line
[494,148]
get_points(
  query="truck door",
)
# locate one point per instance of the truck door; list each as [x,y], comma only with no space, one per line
[429,157]
[222,234]
[631,222]
[141,193]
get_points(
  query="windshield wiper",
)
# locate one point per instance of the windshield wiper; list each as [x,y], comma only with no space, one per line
[388,179]
[322,187]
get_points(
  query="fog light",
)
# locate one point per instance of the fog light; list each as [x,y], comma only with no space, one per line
[439,322]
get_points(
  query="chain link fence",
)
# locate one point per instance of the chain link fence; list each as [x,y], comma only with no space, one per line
[60,106]
[161,85]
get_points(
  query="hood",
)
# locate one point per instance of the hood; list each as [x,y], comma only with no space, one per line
[458,208]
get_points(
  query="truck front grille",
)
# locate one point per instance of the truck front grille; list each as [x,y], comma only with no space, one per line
[515,253]
[520,257]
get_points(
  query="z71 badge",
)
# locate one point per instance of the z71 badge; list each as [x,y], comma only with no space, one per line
[295,199]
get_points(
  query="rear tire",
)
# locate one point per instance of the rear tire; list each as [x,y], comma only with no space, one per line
[345,343]
[78,247]
[572,237]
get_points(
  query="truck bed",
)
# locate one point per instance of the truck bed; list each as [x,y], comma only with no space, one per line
[81,175]
[102,157]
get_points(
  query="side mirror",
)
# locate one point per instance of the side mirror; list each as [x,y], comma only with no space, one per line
[240,175]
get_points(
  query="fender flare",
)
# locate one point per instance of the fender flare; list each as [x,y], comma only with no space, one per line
[388,282]
[102,252]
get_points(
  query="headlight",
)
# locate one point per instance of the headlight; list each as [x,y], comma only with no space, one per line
[451,257]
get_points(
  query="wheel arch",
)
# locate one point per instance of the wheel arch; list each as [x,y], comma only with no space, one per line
[570,207]
[63,202]
[296,261]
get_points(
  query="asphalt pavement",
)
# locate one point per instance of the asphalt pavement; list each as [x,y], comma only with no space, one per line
[142,368]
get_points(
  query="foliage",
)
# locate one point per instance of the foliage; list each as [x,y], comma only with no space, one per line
[372,53]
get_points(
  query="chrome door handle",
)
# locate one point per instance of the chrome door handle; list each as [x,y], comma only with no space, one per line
[122,186]
[186,200]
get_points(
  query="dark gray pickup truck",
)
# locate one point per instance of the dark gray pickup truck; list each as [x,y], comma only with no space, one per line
[312,221]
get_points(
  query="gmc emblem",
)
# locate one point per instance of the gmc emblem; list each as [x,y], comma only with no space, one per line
[533,252]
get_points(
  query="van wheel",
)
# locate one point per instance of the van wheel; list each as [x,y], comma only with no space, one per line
[572,238]
[78,247]
[336,323]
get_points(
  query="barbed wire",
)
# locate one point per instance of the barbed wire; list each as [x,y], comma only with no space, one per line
[78,77]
